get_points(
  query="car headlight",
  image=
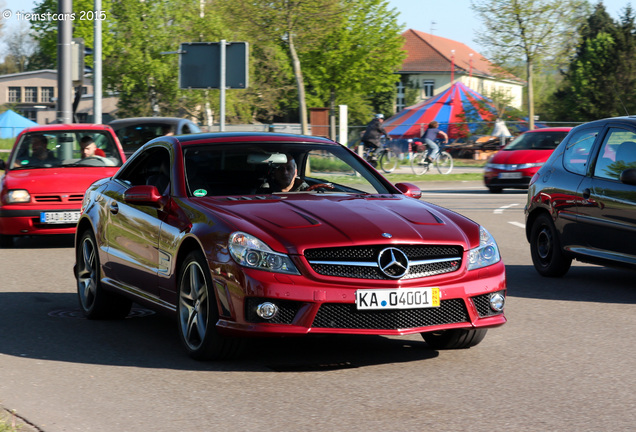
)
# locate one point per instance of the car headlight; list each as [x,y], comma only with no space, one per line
[529,165]
[487,253]
[249,251]
[18,196]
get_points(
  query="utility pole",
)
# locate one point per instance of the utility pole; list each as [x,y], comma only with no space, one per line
[64,78]
[97,64]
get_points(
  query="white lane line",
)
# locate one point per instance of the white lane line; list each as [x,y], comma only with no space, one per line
[518,224]
[500,210]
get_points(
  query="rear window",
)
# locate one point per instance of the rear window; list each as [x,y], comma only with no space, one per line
[537,141]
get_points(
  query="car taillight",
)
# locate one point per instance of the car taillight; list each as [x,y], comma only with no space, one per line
[535,177]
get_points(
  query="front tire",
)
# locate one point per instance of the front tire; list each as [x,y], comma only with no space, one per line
[444,163]
[388,161]
[545,247]
[197,313]
[94,300]
[455,338]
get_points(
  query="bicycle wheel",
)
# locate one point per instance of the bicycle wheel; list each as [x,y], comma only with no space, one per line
[388,161]
[444,163]
[419,164]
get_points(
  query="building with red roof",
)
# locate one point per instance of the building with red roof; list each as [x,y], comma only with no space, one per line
[433,63]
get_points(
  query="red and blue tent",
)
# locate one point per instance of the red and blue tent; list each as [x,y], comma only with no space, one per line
[459,110]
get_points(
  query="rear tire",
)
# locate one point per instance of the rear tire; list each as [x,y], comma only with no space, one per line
[545,247]
[419,164]
[94,300]
[455,338]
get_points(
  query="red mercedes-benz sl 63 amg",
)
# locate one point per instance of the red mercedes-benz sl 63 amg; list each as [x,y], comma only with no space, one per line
[261,234]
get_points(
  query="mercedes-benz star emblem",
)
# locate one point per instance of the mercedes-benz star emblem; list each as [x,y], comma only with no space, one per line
[393,262]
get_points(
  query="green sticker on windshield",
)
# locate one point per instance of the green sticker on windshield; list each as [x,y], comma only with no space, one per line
[200,193]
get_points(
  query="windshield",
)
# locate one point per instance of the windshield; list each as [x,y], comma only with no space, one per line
[67,148]
[266,168]
[537,141]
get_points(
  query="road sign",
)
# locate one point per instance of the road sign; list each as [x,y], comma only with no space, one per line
[200,65]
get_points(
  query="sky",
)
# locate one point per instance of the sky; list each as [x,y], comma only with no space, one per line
[452,19]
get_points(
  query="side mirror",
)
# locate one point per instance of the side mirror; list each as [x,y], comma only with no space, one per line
[3,166]
[629,176]
[144,194]
[410,190]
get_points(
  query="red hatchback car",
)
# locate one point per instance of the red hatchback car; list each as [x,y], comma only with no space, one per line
[47,174]
[241,234]
[513,166]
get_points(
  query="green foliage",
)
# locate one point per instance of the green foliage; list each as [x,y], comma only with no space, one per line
[45,32]
[357,60]
[601,76]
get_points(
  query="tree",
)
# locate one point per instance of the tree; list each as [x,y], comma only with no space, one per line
[297,24]
[528,31]
[600,79]
[45,32]
[20,47]
[357,60]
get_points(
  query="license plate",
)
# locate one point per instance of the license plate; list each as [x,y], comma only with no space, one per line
[401,298]
[510,175]
[59,217]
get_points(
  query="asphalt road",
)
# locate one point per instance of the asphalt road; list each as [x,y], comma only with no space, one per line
[563,362]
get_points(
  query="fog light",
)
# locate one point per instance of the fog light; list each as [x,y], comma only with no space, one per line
[266,310]
[497,301]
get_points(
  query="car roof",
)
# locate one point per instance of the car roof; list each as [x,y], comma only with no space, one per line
[57,127]
[222,137]
[136,120]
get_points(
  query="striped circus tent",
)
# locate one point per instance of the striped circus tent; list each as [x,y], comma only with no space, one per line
[458,110]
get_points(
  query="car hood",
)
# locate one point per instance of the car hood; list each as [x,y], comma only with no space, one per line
[58,180]
[521,156]
[302,221]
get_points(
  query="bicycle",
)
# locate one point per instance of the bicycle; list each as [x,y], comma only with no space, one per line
[385,157]
[443,162]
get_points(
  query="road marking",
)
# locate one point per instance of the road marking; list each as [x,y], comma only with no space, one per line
[500,210]
[517,224]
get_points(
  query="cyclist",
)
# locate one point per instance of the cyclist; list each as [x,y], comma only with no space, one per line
[372,135]
[430,135]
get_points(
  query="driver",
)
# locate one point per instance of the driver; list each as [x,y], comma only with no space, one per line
[285,178]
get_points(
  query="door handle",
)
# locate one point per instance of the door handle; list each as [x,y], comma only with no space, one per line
[114,208]
[586,193]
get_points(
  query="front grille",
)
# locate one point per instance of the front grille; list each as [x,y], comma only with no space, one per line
[482,304]
[346,316]
[58,198]
[287,310]
[361,262]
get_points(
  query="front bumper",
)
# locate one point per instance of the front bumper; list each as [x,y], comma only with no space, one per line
[20,221]
[332,310]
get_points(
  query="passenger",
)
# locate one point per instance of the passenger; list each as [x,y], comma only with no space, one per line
[89,148]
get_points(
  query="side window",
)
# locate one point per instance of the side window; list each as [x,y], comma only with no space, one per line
[577,150]
[617,154]
[153,168]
